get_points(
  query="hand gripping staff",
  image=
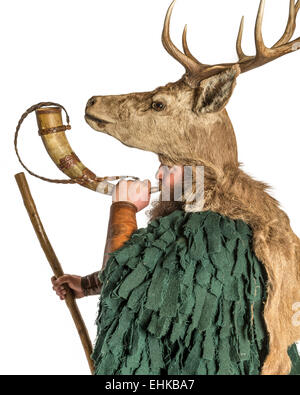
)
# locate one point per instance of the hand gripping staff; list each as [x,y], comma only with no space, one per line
[52,132]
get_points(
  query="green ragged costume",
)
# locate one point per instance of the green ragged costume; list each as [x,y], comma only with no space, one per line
[184,295]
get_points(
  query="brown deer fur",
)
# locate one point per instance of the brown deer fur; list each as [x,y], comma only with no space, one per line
[193,128]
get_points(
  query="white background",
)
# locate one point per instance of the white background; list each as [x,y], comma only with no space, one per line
[68,51]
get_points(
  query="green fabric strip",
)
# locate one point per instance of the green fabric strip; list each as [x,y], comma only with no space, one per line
[177,298]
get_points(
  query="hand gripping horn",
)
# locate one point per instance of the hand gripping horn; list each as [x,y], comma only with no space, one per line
[52,131]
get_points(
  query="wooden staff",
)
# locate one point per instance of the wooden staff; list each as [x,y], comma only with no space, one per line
[55,265]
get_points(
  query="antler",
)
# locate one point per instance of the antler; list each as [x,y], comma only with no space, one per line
[264,54]
[196,71]
[190,64]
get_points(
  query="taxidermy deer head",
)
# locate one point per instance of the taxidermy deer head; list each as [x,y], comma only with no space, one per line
[185,122]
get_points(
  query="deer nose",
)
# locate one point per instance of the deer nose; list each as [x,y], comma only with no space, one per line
[91,102]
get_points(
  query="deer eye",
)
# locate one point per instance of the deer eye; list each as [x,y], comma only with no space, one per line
[158,106]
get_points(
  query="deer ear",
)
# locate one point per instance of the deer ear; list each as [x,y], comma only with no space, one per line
[214,92]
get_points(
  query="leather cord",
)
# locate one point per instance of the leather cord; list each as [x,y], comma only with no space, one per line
[56,181]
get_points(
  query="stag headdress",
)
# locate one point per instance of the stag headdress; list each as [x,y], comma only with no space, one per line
[186,123]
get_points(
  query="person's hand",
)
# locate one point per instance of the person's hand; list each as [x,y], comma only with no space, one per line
[74,282]
[136,192]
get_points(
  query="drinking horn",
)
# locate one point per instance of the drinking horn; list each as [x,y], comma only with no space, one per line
[53,134]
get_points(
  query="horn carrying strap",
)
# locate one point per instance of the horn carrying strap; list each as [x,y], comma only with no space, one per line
[54,130]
